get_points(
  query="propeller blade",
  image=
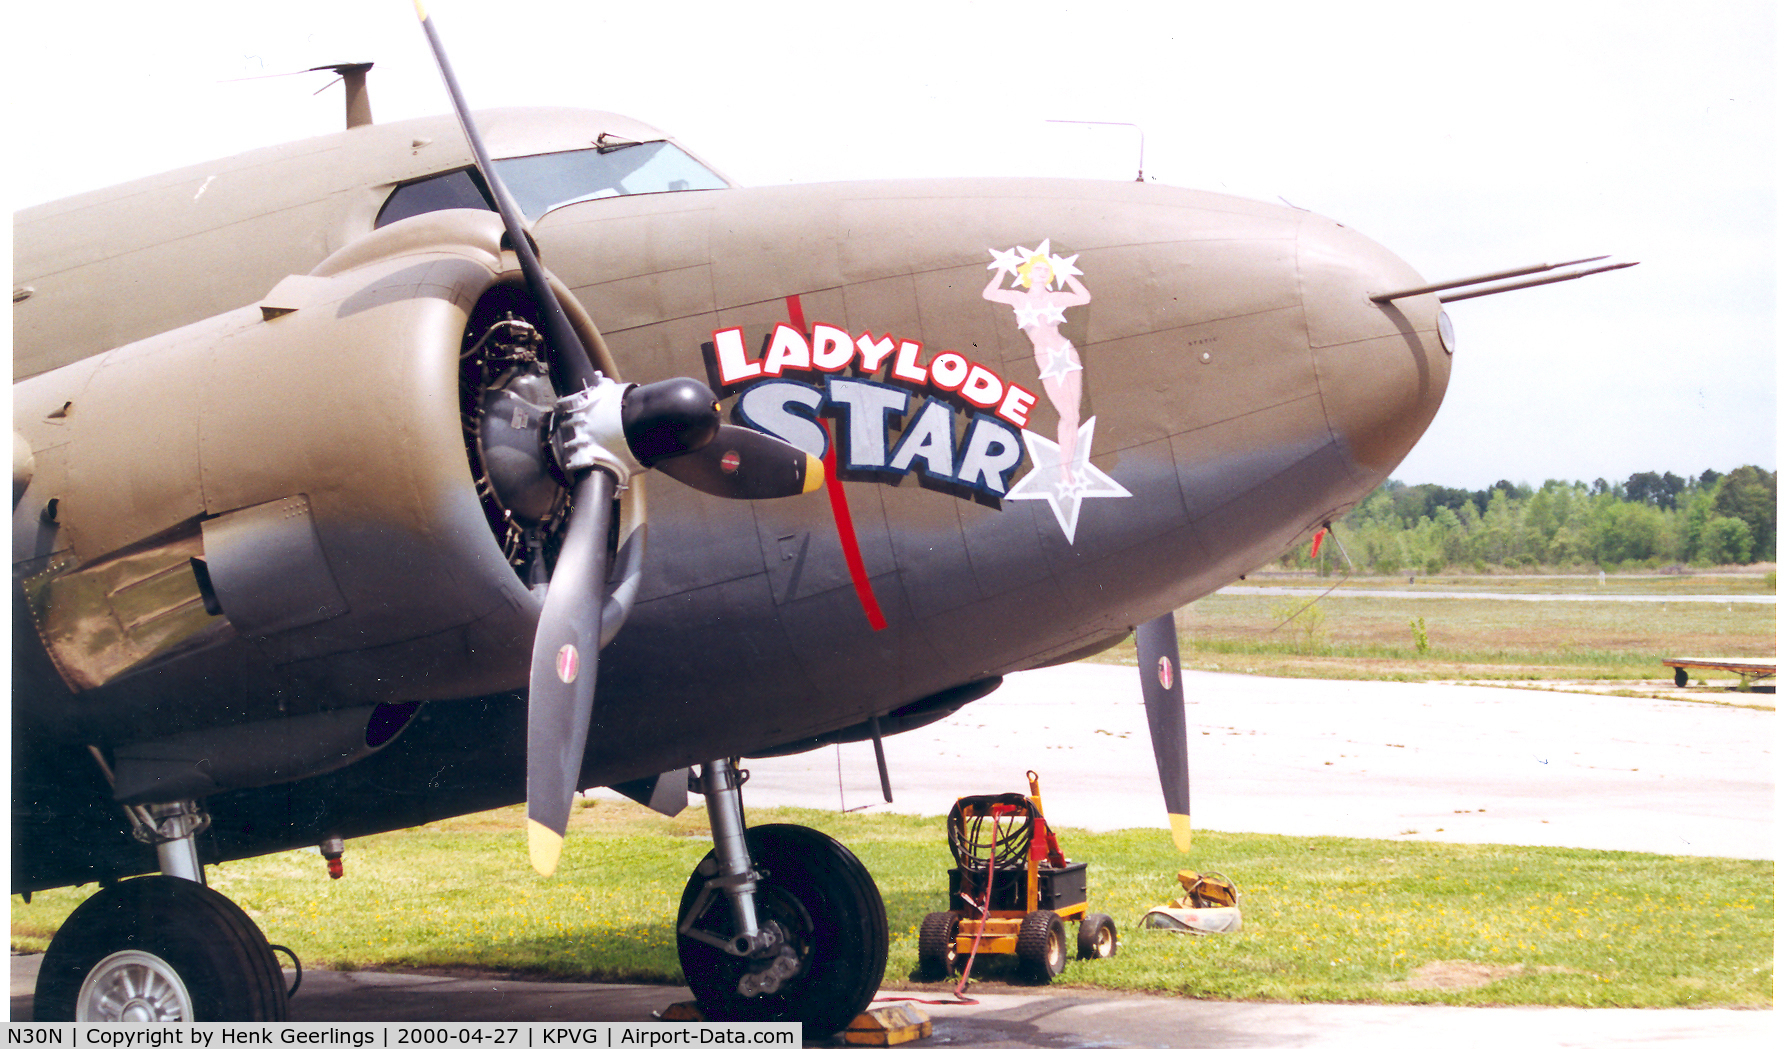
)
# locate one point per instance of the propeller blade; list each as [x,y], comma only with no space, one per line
[745,464]
[671,424]
[563,669]
[566,352]
[563,674]
[1160,678]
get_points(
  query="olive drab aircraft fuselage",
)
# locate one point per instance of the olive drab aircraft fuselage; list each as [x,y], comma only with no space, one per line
[281,531]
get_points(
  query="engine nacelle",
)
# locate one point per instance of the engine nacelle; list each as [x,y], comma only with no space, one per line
[271,512]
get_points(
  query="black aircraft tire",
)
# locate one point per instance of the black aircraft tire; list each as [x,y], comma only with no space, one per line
[1097,937]
[825,900]
[939,944]
[193,941]
[1039,949]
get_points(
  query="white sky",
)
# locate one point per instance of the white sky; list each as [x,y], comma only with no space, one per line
[1465,138]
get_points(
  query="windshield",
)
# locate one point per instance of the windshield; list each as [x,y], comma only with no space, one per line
[541,183]
[548,180]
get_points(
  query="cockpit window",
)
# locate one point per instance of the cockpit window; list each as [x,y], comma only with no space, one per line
[456,189]
[549,180]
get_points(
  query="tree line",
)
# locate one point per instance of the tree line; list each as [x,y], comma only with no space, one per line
[1648,521]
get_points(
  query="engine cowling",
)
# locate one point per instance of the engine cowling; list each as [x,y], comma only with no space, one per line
[271,512]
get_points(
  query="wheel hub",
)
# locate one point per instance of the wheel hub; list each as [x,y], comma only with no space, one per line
[133,987]
[768,976]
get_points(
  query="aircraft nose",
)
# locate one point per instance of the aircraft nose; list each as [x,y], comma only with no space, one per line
[1382,368]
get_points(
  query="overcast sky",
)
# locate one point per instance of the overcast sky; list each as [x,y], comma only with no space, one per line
[1465,138]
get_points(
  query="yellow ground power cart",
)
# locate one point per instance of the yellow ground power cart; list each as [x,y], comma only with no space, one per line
[1011,892]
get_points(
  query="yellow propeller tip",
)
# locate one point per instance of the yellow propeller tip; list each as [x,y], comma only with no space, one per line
[1179,830]
[814,474]
[544,848]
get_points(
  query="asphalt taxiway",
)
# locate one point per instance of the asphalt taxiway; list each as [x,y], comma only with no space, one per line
[1436,762]
[1059,1019]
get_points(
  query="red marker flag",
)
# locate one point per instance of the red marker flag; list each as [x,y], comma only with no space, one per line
[1318,537]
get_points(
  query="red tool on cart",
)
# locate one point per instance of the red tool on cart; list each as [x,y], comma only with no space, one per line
[1011,892]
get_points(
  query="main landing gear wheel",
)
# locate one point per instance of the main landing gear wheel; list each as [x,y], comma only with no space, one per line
[159,949]
[1039,946]
[1097,937]
[830,913]
[939,944]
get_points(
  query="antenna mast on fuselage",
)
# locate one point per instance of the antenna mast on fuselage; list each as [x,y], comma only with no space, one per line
[358,111]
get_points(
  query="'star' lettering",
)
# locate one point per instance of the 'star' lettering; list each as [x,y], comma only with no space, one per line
[982,461]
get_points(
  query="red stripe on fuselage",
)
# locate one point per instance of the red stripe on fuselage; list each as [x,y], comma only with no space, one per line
[849,536]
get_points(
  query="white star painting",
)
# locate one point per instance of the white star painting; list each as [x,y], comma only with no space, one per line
[1065,486]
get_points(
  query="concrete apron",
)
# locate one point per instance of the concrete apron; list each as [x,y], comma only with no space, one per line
[1368,759]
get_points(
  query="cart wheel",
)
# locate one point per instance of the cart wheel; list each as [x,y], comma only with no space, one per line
[1097,937]
[1040,946]
[939,944]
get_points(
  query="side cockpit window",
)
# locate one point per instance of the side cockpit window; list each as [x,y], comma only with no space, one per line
[546,181]
[456,189]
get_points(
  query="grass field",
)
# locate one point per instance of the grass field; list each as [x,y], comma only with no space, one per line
[1377,638]
[1651,584]
[1326,919]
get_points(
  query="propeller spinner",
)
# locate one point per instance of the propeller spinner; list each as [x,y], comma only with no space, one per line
[603,434]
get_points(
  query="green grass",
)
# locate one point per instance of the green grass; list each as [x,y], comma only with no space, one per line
[1326,919]
[1486,640]
[1732,583]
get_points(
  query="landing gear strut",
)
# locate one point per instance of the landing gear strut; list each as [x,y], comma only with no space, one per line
[161,949]
[778,922]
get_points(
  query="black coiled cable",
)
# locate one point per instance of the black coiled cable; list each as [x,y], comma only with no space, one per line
[975,832]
